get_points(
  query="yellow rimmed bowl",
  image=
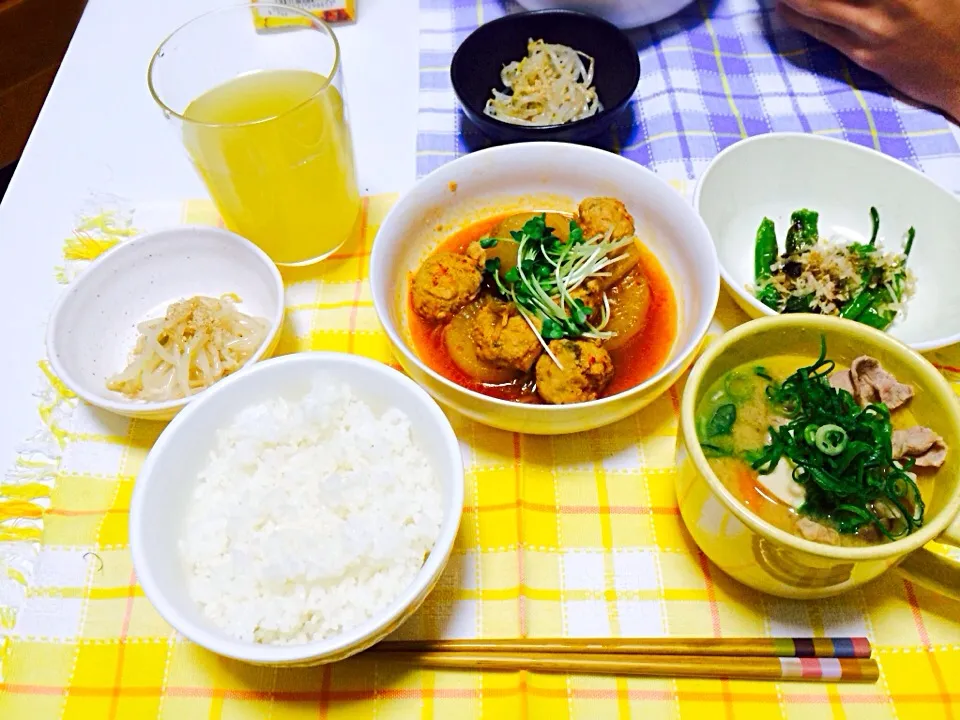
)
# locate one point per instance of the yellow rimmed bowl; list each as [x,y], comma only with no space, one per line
[772,560]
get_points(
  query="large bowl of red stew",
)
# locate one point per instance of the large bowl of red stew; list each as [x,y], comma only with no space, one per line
[544,288]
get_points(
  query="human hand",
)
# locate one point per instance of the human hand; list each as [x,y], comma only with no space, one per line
[913,44]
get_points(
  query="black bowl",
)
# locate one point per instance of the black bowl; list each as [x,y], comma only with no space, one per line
[475,69]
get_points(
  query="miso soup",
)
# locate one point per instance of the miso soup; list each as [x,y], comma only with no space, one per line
[807,451]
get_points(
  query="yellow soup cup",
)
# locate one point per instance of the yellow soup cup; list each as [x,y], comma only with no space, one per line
[772,560]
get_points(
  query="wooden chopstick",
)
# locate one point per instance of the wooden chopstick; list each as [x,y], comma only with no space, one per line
[634,665]
[708,647]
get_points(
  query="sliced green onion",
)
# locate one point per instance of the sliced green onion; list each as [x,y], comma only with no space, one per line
[761,372]
[831,439]
[738,387]
[841,455]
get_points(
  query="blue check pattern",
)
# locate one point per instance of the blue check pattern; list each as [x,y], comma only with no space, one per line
[717,72]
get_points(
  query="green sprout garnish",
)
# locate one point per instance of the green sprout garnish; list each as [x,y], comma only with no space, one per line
[548,270]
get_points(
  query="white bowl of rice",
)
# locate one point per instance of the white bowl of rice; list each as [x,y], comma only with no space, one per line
[299,511]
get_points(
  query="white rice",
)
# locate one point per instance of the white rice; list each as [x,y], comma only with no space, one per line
[310,516]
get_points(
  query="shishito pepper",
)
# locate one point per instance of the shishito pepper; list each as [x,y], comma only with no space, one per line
[803,231]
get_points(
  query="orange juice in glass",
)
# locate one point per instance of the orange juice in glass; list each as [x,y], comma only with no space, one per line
[262,116]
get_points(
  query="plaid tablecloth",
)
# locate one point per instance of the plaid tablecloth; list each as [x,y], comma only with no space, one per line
[578,535]
[717,72]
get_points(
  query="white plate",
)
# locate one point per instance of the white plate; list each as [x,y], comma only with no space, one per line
[92,328]
[773,175]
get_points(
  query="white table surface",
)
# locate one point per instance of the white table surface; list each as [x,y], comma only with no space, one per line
[101,133]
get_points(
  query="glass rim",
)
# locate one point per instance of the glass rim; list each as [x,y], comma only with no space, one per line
[315,22]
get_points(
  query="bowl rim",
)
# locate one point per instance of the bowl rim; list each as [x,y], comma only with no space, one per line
[577,15]
[728,279]
[126,407]
[441,175]
[625,6]
[340,645]
[927,376]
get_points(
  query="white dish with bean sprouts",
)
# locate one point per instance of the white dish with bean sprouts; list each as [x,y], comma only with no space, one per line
[101,317]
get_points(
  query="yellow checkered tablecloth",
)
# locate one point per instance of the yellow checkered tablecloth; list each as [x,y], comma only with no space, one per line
[578,535]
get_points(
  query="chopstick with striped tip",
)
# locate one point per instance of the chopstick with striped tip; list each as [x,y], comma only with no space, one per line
[637,665]
[855,648]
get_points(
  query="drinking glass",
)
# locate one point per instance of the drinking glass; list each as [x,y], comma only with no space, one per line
[261,114]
